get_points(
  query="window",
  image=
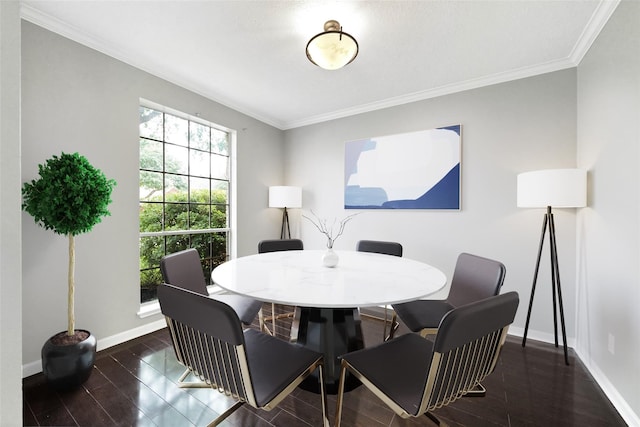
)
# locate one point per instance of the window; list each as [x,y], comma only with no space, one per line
[184,192]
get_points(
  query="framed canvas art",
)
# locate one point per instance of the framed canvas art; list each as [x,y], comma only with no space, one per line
[416,170]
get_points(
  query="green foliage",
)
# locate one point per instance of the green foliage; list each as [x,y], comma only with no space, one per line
[204,210]
[70,197]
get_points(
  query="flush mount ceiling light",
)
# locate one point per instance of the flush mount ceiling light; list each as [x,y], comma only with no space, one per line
[333,48]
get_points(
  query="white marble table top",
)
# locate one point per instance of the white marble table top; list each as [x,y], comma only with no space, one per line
[360,279]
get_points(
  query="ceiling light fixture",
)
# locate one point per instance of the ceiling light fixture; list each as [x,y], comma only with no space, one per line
[333,48]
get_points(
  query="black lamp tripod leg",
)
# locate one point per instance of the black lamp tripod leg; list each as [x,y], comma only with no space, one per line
[535,279]
[285,230]
[555,271]
[555,280]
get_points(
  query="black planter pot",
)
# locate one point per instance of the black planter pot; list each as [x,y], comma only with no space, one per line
[68,366]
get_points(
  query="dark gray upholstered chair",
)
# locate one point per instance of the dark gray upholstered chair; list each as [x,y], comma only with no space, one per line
[276,245]
[381,247]
[183,269]
[249,366]
[474,278]
[414,376]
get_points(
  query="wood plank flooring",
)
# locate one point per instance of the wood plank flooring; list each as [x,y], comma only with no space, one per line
[134,384]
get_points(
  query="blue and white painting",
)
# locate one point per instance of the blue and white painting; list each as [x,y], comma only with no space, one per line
[416,170]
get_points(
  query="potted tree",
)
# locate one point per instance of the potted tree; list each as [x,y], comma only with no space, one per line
[69,198]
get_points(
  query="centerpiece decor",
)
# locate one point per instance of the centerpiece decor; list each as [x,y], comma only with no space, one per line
[70,197]
[332,232]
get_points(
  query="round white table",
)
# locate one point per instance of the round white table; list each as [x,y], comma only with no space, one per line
[327,320]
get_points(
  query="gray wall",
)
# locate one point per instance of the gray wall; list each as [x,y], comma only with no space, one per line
[506,129]
[608,291]
[10,253]
[76,99]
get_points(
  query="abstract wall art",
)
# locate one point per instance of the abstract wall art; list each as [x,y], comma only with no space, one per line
[416,170]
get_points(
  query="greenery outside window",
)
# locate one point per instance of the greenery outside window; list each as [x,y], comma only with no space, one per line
[184,192]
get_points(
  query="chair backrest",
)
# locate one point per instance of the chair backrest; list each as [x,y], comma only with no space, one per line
[475,278]
[467,347]
[208,339]
[280,245]
[183,269]
[379,247]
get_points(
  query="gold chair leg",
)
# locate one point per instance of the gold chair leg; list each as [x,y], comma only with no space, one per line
[225,414]
[478,391]
[340,397]
[262,324]
[323,394]
[273,318]
[394,326]
[190,384]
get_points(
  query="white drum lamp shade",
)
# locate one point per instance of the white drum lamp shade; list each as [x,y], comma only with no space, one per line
[285,197]
[559,188]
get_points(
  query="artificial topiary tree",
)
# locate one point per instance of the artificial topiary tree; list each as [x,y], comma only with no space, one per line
[70,197]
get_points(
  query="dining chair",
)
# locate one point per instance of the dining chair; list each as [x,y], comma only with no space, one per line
[248,366]
[183,269]
[474,278]
[385,248]
[276,245]
[414,376]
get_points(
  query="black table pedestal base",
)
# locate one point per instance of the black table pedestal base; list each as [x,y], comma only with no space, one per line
[332,332]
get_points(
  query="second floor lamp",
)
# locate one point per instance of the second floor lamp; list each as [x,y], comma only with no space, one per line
[551,188]
[285,197]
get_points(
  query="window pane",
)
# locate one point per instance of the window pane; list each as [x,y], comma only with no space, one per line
[199,136]
[219,191]
[199,163]
[150,186]
[177,159]
[200,190]
[219,141]
[150,123]
[150,217]
[176,216]
[218,249]
[219,216]
[176,130]
[219,167]
[151,250]
[150,154]
[176,187]
[177,243]
[149,281]
[199,216]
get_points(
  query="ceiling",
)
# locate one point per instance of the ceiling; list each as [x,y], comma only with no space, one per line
[250,55]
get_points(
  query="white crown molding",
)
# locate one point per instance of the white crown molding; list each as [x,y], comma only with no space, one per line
[598,20]
[436,92]
[66,30]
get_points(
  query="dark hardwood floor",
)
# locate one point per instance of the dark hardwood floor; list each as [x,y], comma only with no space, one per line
[134,384]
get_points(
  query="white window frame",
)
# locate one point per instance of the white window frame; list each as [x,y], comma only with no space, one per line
[152,308]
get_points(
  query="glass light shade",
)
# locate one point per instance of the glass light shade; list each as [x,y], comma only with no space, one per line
[332,49]
[282,196]
[558,188]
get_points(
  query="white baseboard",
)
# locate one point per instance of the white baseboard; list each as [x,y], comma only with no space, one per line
[621,405]
[35,367]
[541,336]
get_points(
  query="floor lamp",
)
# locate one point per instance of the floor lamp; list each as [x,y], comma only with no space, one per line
[551,188]
[285,197]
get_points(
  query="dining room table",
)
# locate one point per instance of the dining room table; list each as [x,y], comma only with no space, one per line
[327,299]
